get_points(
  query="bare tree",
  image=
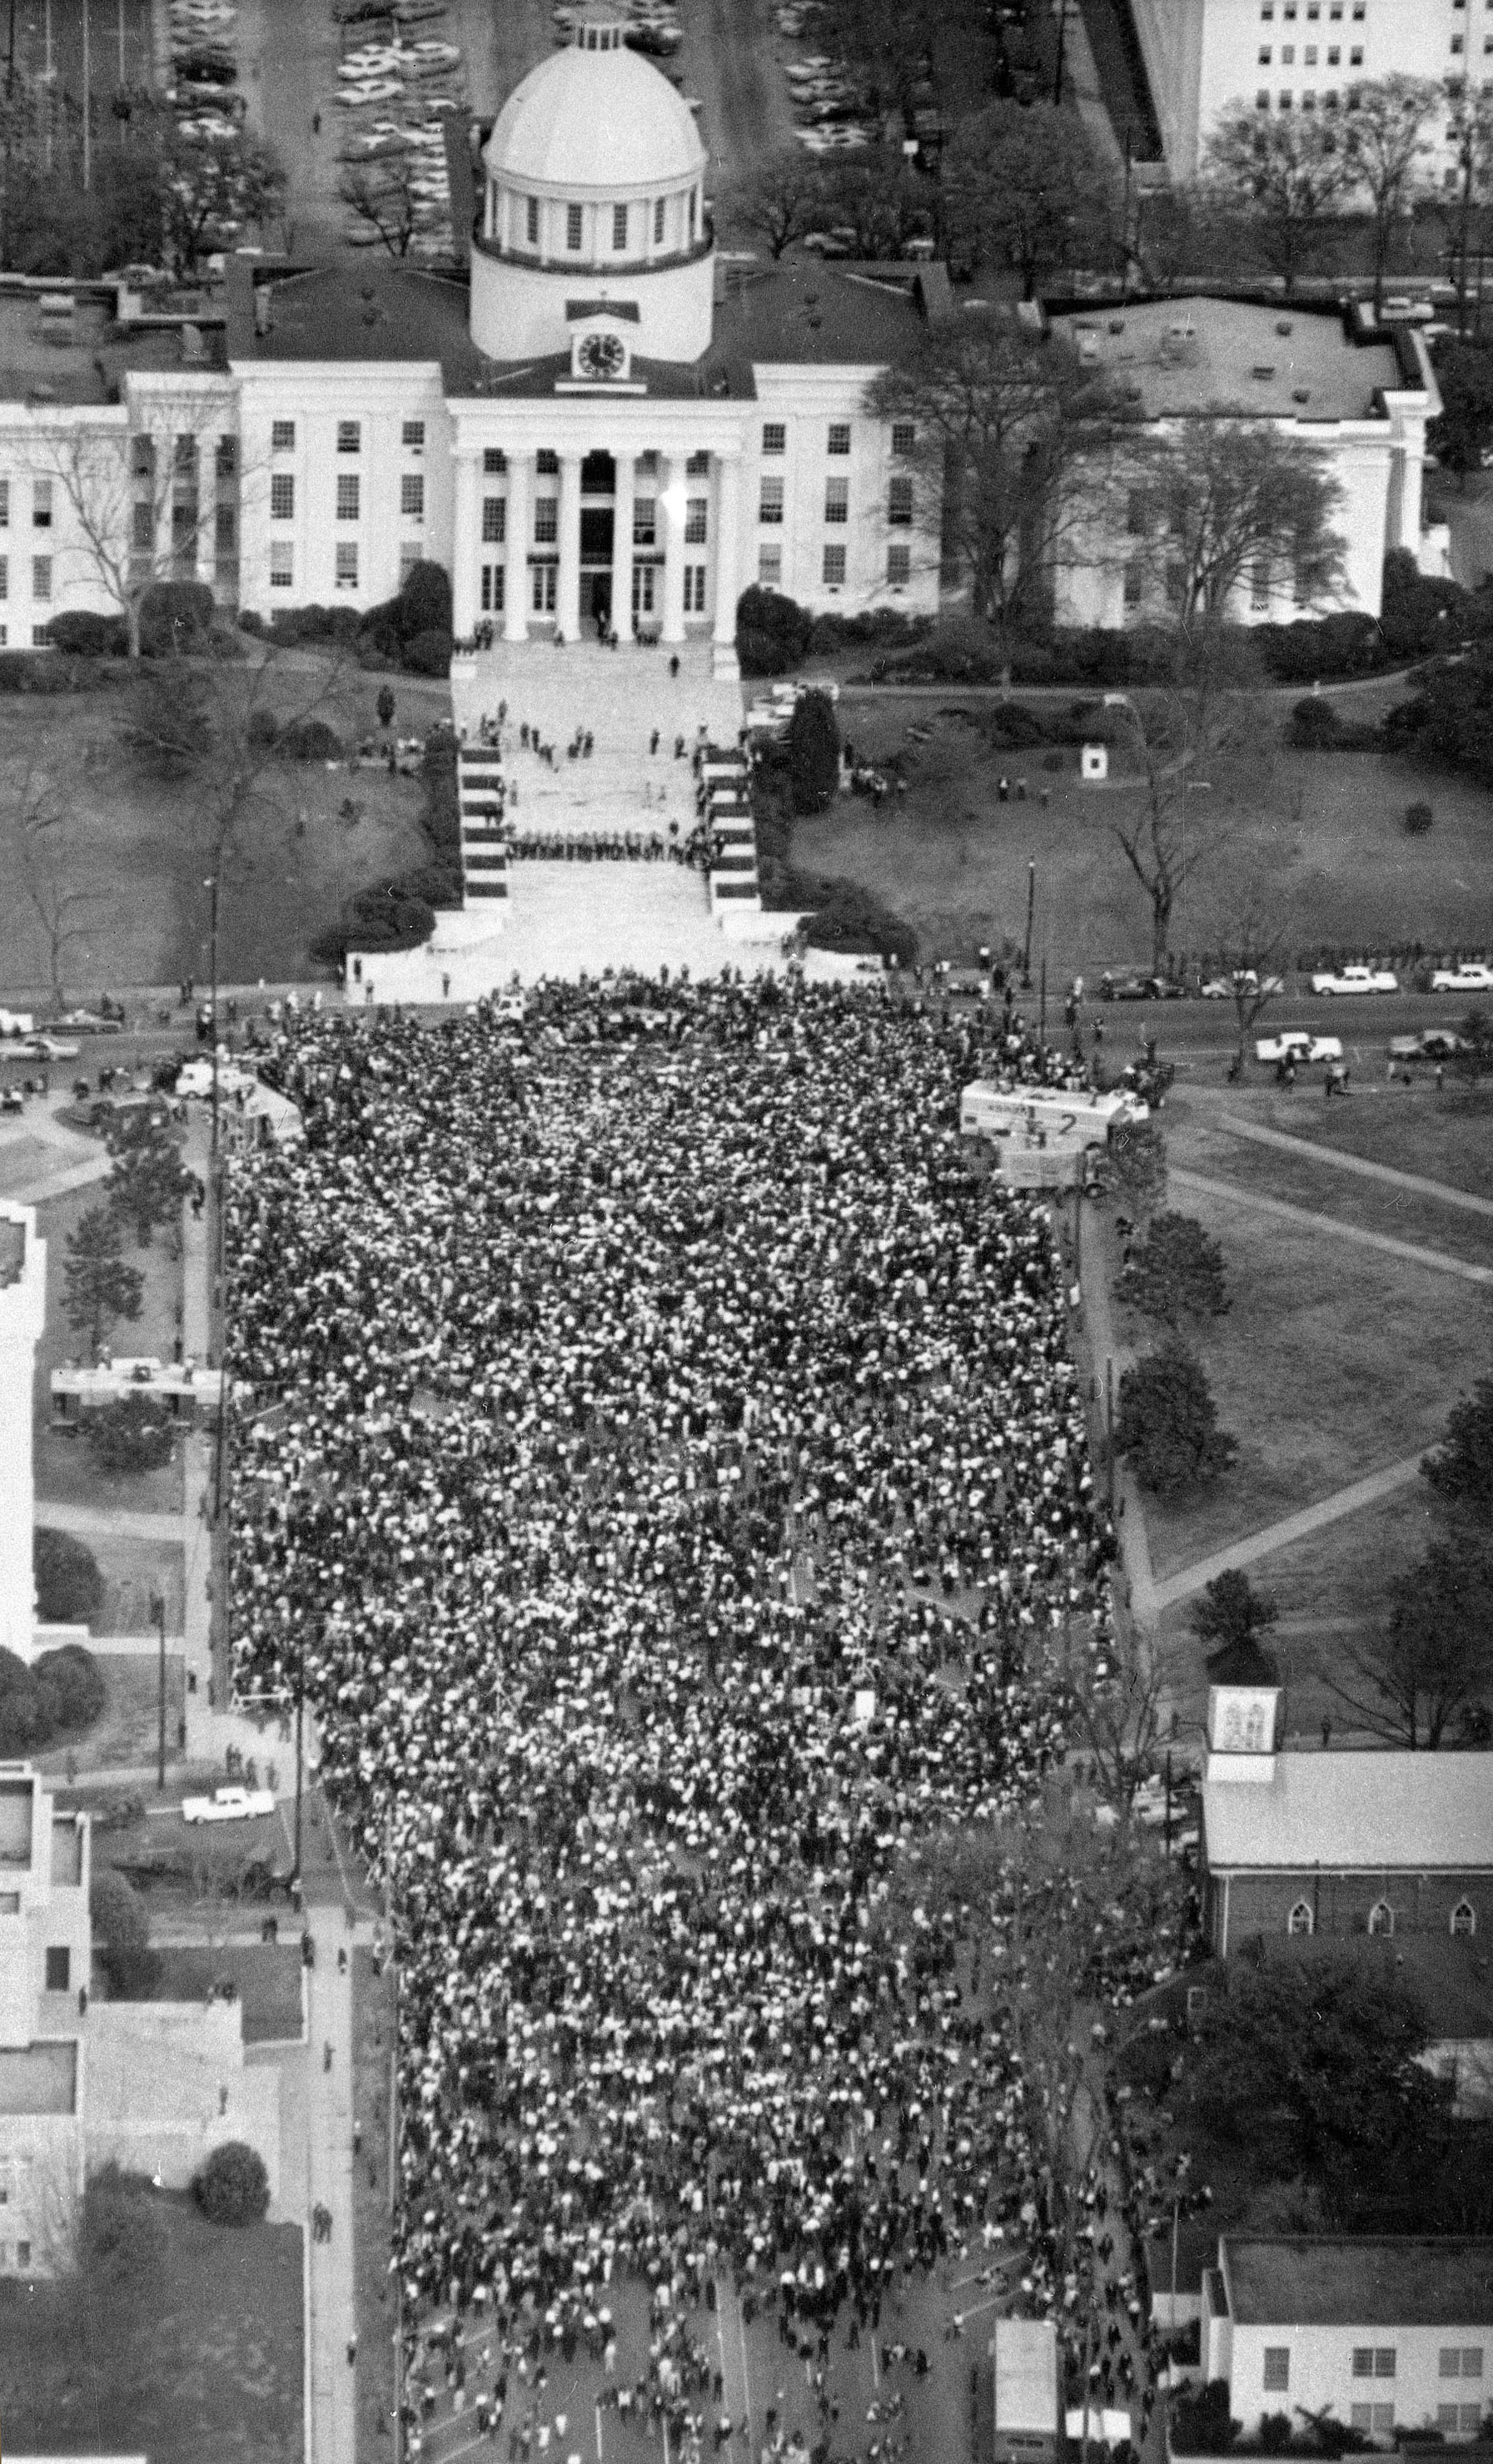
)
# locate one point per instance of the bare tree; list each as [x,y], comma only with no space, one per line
[1434,1668]
[1286,170]
[782,200]
[381,192]
[1170,835]
[1224,501]
[46,864]
[1253,955]
[1385,141]
[1022,187]
[1465,206]
[145,502]
[1121,1702]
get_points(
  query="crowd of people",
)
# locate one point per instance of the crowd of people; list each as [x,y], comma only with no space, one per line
[666,1464]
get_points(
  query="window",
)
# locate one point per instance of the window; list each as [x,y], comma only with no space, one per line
[408,558]
[41,505]
[543,592]
[572,226]
[5,577]
[697,465]
[694,590]
[905,436]
[1278,2367]
[5,504]
[41,577]
[771,506]
[834,566]
[1174,582]
[1287,55]
[23,2253]
[774,437]
[413,436]
[347,564]
[1334,55]
[546,462]
[836,500]
[1363,2360]
[620,229]
[1355,56]
[348,496]
[1464,1917]
[1312,55]
[185,457]
[282,498]
[1335,11]
[494,577]
[1448,2362]
[412,497]
[1358,13]
[142,527]
[1264,56]
[227,457]
[1384,2360]
[696,512]
[224,529]
[349,437]
[283,436]
[1376,2419]
[770,568]
[1134,582]
[1261,97]
[495,520]
[1259,582]
[41,639]
[495,462]
[1285,99]
[1457,43]
[899,565]
[547,520]
[1268,11]
[839,436]
[1460,2419]
[898,505]
[694,210]
[658,222]
[645,522]
[283,564]
[1300,1919]
[1381,1917]
[59,1968]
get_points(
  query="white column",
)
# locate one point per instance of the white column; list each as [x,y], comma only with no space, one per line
[568,590]
[671,539]
[728,519]
[466,538]
[622,546]
[516,587]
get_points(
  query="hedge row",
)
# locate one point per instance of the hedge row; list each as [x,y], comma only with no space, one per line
[411,631]
[400,914]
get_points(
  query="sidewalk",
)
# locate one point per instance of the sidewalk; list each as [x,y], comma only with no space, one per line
[1140,1584]
[332,2417]
[1334,1160]
[1238,1193]
[1293,1528]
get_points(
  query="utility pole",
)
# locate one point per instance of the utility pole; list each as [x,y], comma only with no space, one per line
[1041,1022]
[1026,954]
[211,884]
[1063,40]
[1109,1426]
[158,1612]
[87,109]
[9,66]
[1167,1836]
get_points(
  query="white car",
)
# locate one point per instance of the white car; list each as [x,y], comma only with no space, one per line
[228,1805]
[1473,977]
[1356,979]
[1297,1045]
[48,1048]
[1224,987]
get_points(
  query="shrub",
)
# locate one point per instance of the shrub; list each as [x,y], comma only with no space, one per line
[812,752]
[386,917]
[1418,818]
[130,1435]
[384,705]
[429,652]
[264,727]
[123,2235]
[848,916]
[421,607]
[122,1936]
[1275,2432]
[1200,2423]
[1167,1422]
[69,1586]
[174,616]
[73,1684]
[42,672]
[310,739]
[772,632]
[1314,723]
[232,2186]
[878,627]
[1012,728]
[25,1723]
[250,621]
[89,636]
[61,1689]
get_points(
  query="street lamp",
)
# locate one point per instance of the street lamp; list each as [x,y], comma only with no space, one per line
[211,884]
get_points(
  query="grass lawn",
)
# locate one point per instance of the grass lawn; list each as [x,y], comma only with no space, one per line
[66,1467]
[266,1974]
[1447,1137]
[178,1864]
[1323,832]
[132,1570]
[373,2033]
[24,1161]
[134,843]
[126,1730]
[205,2360]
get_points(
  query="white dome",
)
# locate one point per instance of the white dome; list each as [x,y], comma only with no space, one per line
[586,121]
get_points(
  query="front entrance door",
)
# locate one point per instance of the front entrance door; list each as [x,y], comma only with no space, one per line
[644,590]
[595,601]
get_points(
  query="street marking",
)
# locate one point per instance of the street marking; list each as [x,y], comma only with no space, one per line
[741,2330]
[598,2435]
[876,2361]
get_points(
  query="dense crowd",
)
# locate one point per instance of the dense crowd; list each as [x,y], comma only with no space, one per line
[666,1454]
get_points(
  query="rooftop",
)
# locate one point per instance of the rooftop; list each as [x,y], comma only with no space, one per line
[39,2079]
[595,120]
[1200,354]
[1354,1813]
[80,353]
[1321,2281]
[13,1250]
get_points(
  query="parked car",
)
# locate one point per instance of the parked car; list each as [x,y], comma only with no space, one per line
[1437,1044]
[1297,1043]
[1137,987]
[48,1048]
[1224,987]
[228,1805]
[1472,977]
[1356,979]
[88,1022]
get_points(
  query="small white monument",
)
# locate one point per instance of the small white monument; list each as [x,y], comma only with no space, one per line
[1094,762]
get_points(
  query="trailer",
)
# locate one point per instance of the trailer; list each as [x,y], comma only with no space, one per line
[1024,2356]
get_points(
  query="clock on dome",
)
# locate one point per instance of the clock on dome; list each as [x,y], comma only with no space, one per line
[601,357]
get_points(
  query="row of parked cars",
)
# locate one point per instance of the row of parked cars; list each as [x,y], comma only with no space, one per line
[1472,975]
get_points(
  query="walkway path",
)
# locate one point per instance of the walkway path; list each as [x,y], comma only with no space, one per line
[1412,1251]
[1285,1534]
[1335,1160]
[1105,1346]
[332,2305]
[111,1522]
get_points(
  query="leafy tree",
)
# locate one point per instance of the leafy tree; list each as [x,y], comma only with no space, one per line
[232,2186]
[1168,1421]
[1286,171]
[1460,1471]
[1135,1164]
[69,1586]
[213,189]
[772,632]
[1229,1621]
[1010,464]
[1434,1668]
[124,2236]
[779,202]
[1176,1272]
[61,1689]
[1384,137]
[147,1177]
[381,192]
[877,200]
[1465,432]
[130,1435]
[1475,1060]
[73,1684]
[122,1932]
[1023,188]
[1463,207]
[1311,2066]
[812,752]
[98,1287]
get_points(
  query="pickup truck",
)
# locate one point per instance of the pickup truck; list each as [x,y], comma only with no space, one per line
[1473,977]
[1295,1045]
[228,1805]
[1356,979]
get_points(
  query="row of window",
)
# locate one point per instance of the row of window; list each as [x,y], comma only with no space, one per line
[621,224]
[41,504]
[1381,1918]
[41,577]
[546,522]
[775,436]
[350,499]
[836,502]
[1376,2361]
[1355,57]
[831,572]
[1314,10]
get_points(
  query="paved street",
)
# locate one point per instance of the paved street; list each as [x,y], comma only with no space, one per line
[328,2099]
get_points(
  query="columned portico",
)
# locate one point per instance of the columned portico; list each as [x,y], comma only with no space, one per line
[567,598]
[515,624]
[622,544]
[671,538]
[727,514]
[468,532]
